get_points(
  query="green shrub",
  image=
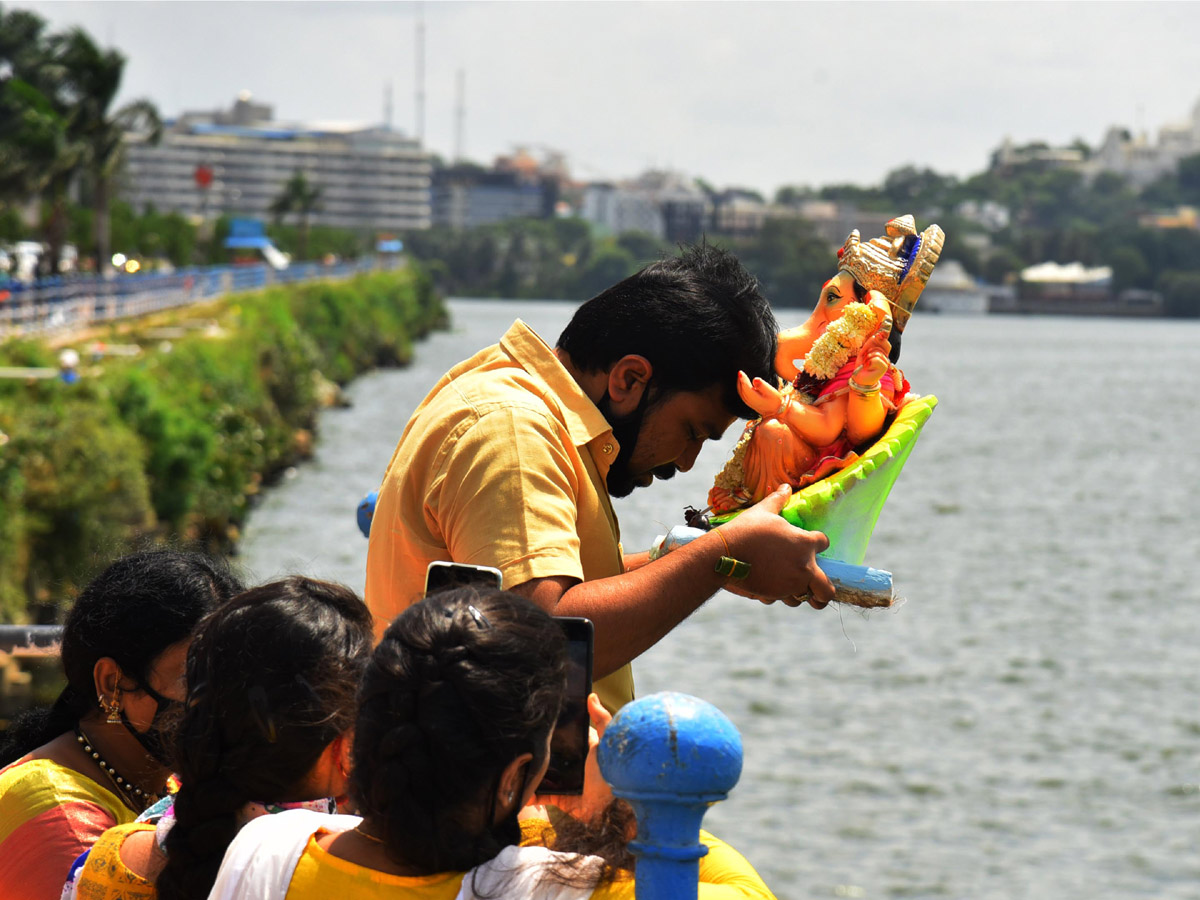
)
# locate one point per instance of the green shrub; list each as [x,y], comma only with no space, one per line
[175,443]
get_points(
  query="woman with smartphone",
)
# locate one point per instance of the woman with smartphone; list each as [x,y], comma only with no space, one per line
[451,742]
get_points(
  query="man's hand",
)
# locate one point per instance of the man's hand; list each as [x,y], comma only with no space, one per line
[596,793]
[782,557]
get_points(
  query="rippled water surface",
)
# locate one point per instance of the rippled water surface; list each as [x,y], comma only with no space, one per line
[1027,724]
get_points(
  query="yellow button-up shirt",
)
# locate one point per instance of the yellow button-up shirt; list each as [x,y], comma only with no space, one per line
[503,464]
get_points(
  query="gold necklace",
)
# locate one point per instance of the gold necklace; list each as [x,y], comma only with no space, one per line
[130,793]
[369,837]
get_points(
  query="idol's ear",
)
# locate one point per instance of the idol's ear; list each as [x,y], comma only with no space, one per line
[628,381]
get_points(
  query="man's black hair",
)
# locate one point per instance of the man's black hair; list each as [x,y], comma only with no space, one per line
[698,317]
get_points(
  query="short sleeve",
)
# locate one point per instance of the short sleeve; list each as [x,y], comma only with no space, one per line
[726,873]
[506,495]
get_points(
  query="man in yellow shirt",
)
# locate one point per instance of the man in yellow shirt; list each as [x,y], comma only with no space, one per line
[511,459]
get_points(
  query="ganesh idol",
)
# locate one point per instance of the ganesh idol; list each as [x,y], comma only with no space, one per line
[839,385]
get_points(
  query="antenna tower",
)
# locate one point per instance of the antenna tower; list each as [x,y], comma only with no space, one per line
[460,114]
[420,56]
[387,105]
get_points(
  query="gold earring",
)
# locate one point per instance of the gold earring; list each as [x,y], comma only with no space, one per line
[113,708]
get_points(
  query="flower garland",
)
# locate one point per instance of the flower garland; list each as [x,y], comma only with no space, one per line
[841,340]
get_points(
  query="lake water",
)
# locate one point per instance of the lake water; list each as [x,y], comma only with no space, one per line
[1027,724]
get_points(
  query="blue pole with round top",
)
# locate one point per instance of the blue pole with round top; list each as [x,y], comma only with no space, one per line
[671,756]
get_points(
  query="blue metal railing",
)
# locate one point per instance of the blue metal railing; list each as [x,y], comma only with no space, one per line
[30,640]
[58,304]
[671,756]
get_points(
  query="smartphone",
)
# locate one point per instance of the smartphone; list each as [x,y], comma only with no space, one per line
[569,743]
[441,576]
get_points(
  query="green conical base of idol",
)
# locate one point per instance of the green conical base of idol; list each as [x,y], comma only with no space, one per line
[846,505]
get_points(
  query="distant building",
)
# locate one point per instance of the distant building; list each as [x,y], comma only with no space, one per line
[370,176]
[467,201]
[834,221]
[516,187]
[1180,217]
[951,290]
[616,209]
[660,203]
[1073,281]
[991,215]
[1141,161]
[1074,289]
[1008,156]
[738,213]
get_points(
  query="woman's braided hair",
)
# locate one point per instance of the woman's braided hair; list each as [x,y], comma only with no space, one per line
[272,677]
[461,684]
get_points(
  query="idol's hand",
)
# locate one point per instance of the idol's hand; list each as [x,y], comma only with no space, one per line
[761,397]
[873,360]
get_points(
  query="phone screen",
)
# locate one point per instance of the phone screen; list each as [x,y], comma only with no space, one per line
[569,743]
[441,576]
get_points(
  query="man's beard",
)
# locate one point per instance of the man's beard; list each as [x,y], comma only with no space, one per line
[626,429]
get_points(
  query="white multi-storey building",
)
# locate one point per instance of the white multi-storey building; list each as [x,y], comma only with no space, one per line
[1141,161]
[370,176]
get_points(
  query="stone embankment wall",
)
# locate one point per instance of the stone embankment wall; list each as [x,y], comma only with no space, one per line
[174,442]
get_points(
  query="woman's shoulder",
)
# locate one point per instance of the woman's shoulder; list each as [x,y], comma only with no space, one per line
[261,859]
[102,873]
[31,787]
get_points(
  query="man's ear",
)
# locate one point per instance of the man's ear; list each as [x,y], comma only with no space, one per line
[628,380]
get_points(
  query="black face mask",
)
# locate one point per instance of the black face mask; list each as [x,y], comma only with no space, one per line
[153,740]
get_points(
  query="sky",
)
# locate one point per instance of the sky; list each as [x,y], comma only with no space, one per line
[747,94]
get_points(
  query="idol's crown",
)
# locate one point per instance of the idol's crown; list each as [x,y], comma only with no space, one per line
[897,265]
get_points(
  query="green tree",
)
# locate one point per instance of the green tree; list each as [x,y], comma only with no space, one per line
[608,266]
[92,78]
[302,198]
[910,188]
[1189,179]
[641,246]
[1130,269]
[1181,294]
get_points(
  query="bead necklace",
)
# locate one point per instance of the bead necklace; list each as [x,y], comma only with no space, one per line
[133,796]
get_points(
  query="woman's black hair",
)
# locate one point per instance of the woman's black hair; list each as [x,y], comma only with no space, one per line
[461,684]
[131,612]
[272,678]
[698,317]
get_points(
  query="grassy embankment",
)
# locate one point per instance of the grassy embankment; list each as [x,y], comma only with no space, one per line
[174,443]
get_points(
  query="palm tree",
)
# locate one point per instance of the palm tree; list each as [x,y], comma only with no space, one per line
[38,156]
[302,198]
[55,121]
[92,78]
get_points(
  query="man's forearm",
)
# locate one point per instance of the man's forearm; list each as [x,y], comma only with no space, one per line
[634,611]
[636,560]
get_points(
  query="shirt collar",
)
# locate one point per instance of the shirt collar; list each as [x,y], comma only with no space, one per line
[584,421]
